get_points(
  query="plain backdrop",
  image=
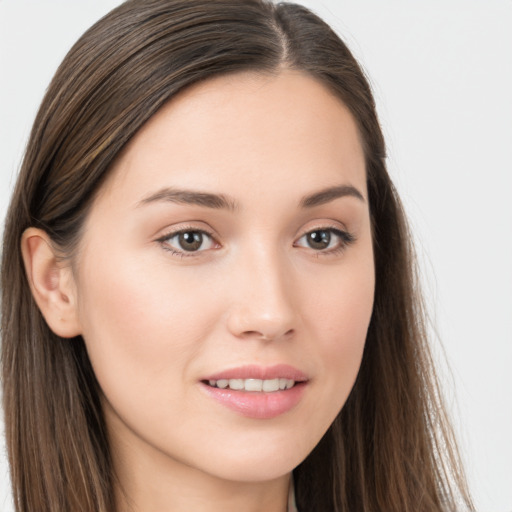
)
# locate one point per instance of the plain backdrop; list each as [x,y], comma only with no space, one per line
[442,77]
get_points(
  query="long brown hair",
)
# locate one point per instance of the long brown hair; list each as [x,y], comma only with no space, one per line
[391,447]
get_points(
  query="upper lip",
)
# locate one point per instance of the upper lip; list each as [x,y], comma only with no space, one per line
[284,371]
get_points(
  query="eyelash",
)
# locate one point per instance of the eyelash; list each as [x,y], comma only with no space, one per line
[345,240]
[183,254]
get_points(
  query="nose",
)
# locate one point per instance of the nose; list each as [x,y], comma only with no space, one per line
[262,300]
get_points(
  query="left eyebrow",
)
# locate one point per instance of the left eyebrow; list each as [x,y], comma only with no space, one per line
[330,194]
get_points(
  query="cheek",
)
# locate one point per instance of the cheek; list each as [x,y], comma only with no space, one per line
[339,316]
[136,322]
[346,339]
[342,302]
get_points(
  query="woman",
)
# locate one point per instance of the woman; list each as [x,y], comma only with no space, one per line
[208,283]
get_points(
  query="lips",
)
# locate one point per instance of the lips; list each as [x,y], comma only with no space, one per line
[277,371]
[255,391]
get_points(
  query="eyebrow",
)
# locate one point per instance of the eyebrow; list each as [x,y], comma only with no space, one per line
[172,195]
[330,194]
[223,202]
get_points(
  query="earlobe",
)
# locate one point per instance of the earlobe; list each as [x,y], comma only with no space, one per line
[51,283]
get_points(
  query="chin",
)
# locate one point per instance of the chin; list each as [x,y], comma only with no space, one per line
[257,463]
[254,472]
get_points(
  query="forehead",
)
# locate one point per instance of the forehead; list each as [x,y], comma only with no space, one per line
[240,131]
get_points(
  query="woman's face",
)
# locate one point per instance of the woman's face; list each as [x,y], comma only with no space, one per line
[230,246]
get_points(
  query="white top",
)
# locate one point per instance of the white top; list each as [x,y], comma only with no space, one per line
[292,507]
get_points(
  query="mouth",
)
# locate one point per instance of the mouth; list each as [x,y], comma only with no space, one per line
[257,392]
[253,385]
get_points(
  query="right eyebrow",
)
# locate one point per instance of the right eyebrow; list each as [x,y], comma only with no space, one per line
[193,197]
[330,194]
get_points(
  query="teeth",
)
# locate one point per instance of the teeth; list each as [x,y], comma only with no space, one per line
[236,383]
[268,386]
[271,385]
[253,385]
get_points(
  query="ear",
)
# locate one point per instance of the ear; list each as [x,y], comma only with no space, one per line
[51,283]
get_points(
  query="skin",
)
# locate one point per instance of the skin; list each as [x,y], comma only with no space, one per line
[156,322]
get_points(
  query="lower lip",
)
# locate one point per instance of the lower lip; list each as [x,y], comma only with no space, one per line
[258,405]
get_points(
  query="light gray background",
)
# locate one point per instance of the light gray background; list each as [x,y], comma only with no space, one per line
[442,76]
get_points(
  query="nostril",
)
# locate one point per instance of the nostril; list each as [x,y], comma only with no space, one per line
[253,321]
[268,335]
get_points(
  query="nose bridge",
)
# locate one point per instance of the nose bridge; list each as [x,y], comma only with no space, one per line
[263,302]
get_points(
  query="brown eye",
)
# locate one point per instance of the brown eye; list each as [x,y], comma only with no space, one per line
[190,240]
[187,241]
[326,240]
[319,239]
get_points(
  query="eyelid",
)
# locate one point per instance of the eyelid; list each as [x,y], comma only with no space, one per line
[346,239]
[175,231]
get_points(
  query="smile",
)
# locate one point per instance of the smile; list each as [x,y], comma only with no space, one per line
[257,385]
[257,392]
